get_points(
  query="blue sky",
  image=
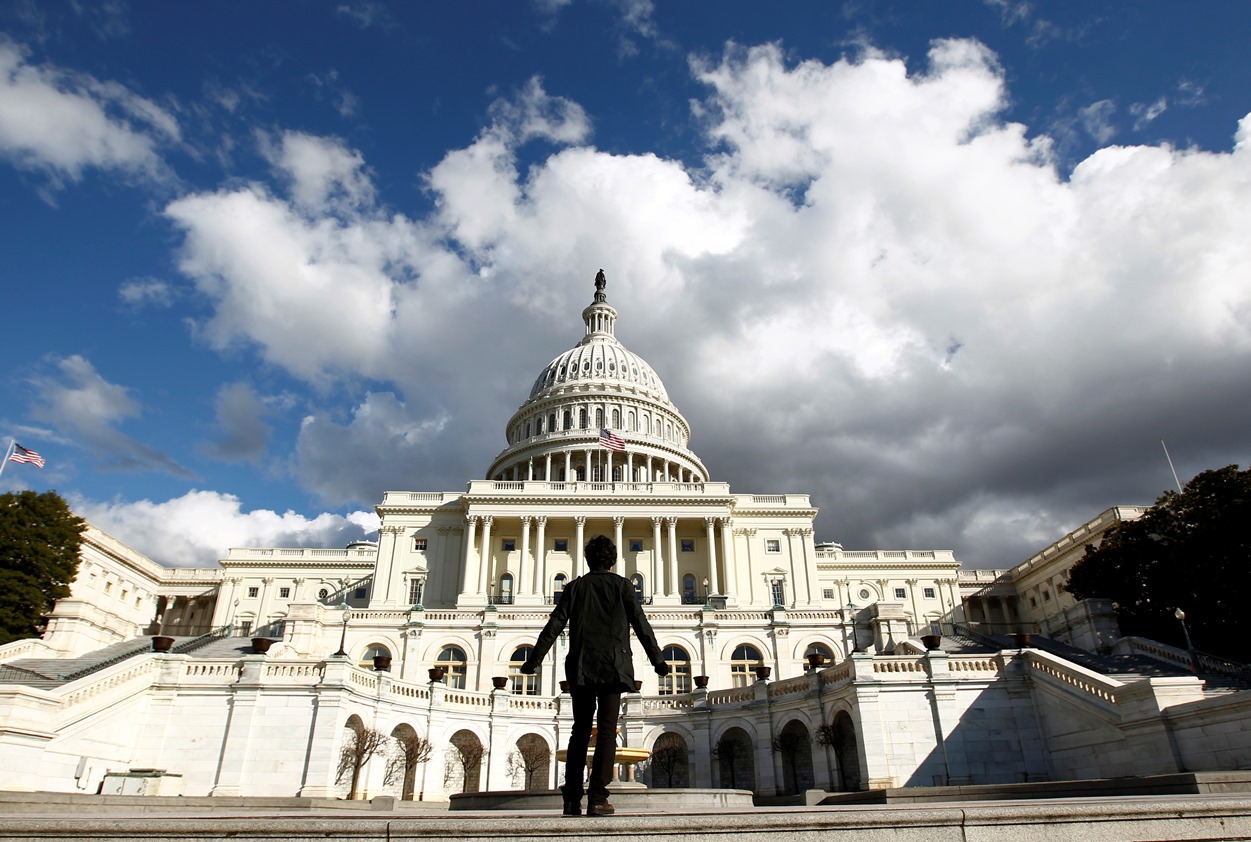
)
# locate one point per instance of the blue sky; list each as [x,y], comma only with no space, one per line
[953,269]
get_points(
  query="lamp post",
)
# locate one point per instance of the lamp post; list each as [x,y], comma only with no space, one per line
[342,653]
[706,591]
[1190,648]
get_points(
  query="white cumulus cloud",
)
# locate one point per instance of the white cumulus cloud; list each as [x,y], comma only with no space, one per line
[199,528]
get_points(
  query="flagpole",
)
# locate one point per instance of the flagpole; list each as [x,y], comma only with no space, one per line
[1170,466]
[8,451]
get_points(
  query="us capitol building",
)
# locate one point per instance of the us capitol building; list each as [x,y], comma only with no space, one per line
[795,664]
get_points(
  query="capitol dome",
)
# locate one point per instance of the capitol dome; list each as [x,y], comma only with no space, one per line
[598,384]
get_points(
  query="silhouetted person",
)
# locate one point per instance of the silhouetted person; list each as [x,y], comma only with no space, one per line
[601,608]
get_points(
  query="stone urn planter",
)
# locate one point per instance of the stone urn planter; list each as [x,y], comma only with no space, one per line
[382,663]
[933,642]
[638,686]
[499,681]
[162,644]
[436,673]
[762,673]
[701,681]
[816,659]
[1022,639]
[564,686]
[260,645]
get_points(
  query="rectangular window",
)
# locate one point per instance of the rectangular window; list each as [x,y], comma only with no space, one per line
[561,545]
[284,593]
[773,545]
[245,628]
[1046,596]
[419,544]
[779,592]
[414,592]
[827,593]
[253,592]
[108,587]
[688,545]
[900,593]
[360,593]
[636,545]
[508,545]
[928,592]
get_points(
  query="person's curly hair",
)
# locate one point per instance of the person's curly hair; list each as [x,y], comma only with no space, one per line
[601,553]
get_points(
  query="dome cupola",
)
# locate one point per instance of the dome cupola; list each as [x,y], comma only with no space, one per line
[597,384]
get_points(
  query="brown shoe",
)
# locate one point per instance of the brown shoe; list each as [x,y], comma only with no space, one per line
[599,808]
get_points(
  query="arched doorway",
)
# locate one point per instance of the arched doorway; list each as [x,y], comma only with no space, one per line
[669,764]
[530,763]
[736,765]
[408,751]
[463,767]
[793,745]
[846,753]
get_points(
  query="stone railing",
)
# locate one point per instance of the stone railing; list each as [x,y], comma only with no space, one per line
[210,672]
[798,684]
[973,665]
[584,488]
[1180,657]
[1086,683]
[103,689]
[899,664]
[23,649]
[836,673]
[731,696]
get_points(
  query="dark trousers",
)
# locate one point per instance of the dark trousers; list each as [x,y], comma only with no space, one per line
[585,702]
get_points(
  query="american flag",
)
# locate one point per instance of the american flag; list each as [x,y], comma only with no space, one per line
[21,454]
[610,440]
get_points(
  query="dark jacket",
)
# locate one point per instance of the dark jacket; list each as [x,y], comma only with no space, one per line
[601,608]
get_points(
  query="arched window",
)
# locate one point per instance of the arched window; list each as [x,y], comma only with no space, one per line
[632,420]
[827,656]
[558,587]
[689,596]
[679,678]
[538,426]
[582,418]
[568,420]
[367,660]
[453,661]
[505,596]
[742,663]
[551,422]
[599,418]
[616,419]
[523,685]
[637,582]
[527,429]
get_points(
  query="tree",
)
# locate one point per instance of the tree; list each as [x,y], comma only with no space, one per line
[530,758]
[1191,550]
[731,749]
[668,758]
[39,543]
[788,744]
[358,747]
[466,753]
[408,751]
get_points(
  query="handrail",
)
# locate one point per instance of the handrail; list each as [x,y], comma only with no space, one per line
[203,640]
[184,647]
[116,659]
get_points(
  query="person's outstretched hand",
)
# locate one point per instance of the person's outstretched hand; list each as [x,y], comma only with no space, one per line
[662,669]
[530,667]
